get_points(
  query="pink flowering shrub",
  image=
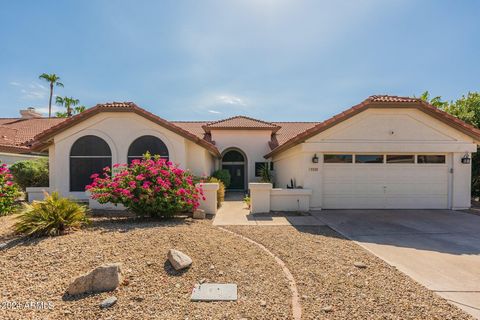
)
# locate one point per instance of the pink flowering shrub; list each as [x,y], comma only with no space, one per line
[149,187]
[9,191]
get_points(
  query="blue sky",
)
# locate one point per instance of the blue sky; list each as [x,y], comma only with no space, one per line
[272,59]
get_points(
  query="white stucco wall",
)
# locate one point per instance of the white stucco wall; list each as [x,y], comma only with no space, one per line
[254,143]
[119,130]
[11,158]
[380,131]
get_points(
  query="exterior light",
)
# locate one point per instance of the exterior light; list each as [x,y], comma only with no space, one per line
[315,158]
[466,159]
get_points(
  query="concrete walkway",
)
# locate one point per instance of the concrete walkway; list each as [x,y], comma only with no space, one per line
[236,213]
[438,248]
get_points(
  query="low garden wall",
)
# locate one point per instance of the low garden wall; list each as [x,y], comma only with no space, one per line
[265,198]
[36,193]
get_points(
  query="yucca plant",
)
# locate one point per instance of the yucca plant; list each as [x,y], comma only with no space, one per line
[51,217]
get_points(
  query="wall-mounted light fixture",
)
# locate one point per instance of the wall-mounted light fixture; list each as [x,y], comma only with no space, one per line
[466,159]
[315,158]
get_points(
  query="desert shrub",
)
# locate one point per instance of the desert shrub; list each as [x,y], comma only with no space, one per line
[151,186]
[51,217]
[265,174]
[224,176]
[9,191]
[220,191]
[31,173]
[247,201]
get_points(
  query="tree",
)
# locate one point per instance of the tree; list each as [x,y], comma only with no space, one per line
[54,80]
[71,104]
[467,108]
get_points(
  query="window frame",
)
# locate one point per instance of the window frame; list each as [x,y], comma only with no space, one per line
[130,157]
[382,155]
[73,183]
[338,154]
[413,155]
[432,155]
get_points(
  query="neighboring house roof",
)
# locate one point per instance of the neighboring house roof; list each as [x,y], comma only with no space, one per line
[44,138]
[16,133]
[378,101]
[240,123]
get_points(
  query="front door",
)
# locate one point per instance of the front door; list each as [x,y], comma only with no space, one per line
[237,176]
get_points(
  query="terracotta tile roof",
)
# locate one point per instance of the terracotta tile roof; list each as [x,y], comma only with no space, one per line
[378,101]
[241,123]
[16,133]
[43,139]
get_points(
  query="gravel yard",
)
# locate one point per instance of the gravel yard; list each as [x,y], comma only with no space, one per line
[40,270]
[322,263]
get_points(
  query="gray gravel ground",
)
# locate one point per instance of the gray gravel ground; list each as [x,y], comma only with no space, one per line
[331,287]
[40,270]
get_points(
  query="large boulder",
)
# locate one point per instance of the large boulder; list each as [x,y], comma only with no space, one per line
[178,259]
[104,278]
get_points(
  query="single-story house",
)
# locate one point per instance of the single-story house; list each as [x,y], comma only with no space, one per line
[16,133]
[386,152]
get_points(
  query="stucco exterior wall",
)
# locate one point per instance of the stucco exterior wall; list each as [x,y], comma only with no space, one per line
[119,130]
[11,158]
[254,143]
[380,131]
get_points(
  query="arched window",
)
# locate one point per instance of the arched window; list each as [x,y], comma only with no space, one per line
[89,155]
[233,156]
[143,144]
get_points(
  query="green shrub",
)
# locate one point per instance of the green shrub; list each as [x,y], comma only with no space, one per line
[51,217]
[224,176]
[31,173]
[9,191]
[265,174]
[220,191]
[247,201]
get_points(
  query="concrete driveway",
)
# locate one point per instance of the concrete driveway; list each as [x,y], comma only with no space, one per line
[438,248]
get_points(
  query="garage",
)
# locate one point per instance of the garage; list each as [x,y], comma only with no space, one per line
[386,181]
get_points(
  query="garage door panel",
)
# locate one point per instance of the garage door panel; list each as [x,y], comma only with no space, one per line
[423,202]
[353,202]
[378,186]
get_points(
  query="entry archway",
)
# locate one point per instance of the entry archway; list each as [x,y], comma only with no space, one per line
[235,162]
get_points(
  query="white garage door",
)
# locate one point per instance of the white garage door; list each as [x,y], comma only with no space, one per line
[385,185]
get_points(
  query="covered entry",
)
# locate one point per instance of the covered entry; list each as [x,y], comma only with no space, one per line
[235,162]
[385,181]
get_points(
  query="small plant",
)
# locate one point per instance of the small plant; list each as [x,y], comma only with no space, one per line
[220,191]
[247,201]
[265,174]
[9,191]
[224,176]
[31,173]
[51,217]
[148,187]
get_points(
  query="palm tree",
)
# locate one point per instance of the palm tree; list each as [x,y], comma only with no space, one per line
[69,103]
[54,80]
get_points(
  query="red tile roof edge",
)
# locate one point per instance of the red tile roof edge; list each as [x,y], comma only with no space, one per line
[380,101]
[41,140]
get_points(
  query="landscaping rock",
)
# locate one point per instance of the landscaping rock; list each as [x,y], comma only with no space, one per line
[263,303]
[199,214]
[360,265]
[178,259]
[3,245]
[107,303]
[104,278]
[327,309]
